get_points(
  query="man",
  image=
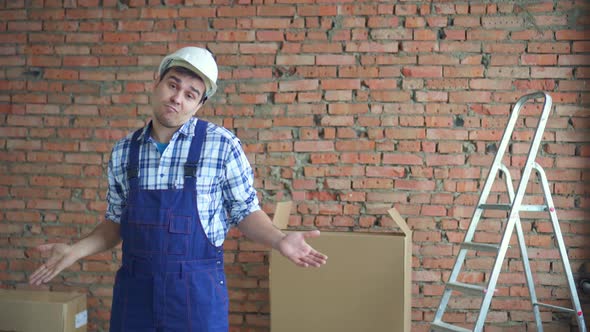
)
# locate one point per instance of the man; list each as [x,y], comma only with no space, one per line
[175,188]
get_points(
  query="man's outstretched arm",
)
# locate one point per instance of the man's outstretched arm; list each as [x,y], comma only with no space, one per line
[258,227]
[104,236]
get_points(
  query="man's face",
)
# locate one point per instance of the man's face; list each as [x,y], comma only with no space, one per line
[176,98]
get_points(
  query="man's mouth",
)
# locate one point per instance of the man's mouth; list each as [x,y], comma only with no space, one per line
[171,108]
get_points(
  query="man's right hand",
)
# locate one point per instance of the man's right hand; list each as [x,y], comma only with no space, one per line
[60,258]
[105,236]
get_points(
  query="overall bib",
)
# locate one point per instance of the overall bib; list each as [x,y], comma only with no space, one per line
[172,277]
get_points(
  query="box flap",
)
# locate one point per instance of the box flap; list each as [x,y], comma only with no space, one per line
[282,213]
[399,220]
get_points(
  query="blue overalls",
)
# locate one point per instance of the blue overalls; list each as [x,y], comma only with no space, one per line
[172,277]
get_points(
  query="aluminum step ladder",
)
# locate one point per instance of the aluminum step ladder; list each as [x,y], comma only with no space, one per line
[513,209]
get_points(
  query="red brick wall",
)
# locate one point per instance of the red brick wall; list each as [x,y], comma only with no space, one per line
[348,108]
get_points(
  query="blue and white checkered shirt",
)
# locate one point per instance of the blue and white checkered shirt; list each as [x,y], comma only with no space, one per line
[224,178]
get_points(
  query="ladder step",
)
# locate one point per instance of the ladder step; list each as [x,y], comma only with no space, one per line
[507,207]
[446,327]
[571,311]
[533,208]
[480,246]
[495,206]
[466,288]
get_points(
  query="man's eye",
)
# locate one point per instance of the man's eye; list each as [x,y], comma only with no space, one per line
[172,85]
[190,96]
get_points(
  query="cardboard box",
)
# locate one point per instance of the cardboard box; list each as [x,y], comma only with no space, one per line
[35,311]
[364,286]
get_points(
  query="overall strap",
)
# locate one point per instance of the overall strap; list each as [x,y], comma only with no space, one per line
[194,154]
[133,165]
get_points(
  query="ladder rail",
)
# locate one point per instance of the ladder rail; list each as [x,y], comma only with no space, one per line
[524,254]
[562,248]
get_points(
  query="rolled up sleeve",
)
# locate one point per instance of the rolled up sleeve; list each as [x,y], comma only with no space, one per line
[239,194]
[116,195]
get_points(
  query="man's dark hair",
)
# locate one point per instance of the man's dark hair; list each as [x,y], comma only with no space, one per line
[188,72]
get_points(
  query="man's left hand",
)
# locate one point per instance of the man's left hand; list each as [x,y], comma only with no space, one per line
[295,248]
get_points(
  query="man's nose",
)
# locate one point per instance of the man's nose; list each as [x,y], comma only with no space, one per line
[175,97]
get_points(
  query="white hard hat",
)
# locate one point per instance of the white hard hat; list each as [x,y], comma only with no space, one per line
[198,60]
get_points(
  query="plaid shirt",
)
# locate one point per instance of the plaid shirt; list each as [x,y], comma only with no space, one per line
[224,176]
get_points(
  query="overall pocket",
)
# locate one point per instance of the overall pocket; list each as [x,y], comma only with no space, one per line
[146,227]
[179,231]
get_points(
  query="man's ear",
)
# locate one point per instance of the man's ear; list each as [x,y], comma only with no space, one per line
[197,108]
[155,83]
[156,80]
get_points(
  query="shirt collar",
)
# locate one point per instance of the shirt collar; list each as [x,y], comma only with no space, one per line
[187,130]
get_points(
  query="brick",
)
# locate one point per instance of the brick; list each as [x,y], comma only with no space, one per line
[553,47]
[259,48]
[459,46]
[434,96]
[61,74]
[570,35]
[312,146]
[578,47]
[551,72]
[467,21]
[196,12]
[80,61]
[446,134]
[275,10]
[333,59]
[372,47]
[422,71]
[572,60]
[298,85]
[426,276]
[340,84]
[373,183]
[317,11]
[316,71]
[445,160]
[464,71]
[402,159]
[121,37]
[539,60]
[270,36]
[379,171]
[251,73]
[357,145]
[337,121]
[391,34]
[237,11]
[156,36]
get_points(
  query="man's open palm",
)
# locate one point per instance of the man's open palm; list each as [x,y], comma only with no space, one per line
[294,247]
[59,259]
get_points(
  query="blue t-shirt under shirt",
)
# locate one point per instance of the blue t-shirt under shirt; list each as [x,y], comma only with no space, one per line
[161,146]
